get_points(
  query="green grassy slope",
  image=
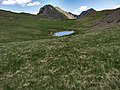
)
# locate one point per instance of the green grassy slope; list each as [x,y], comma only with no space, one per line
[89,19]
[18,27]
[31,59]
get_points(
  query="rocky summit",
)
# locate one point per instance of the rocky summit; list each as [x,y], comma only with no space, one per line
[49,12]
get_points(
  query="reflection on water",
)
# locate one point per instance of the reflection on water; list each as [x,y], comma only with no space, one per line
[63,33]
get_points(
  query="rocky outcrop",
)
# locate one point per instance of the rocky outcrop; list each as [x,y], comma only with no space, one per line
[50,12]
[67,14]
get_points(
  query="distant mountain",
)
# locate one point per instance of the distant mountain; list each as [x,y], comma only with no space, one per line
[89,18]
[91,10]
[50,12]
[74,15]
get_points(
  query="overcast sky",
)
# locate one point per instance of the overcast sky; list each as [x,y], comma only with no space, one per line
[74,6]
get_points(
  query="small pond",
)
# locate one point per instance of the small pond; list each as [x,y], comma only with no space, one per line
[63,33]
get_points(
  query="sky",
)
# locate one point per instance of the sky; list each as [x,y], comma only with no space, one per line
[74,6]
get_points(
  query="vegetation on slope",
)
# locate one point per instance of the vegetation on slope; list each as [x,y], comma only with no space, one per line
[89,19]
[31,59]
[15,27]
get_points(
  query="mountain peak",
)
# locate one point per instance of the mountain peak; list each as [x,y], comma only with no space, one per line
[91,10]
[50,12]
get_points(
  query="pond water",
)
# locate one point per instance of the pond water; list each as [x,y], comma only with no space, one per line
[63,33]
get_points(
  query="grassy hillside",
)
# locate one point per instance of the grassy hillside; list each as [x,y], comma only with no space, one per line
[32,59]
[18,27]
[90,19]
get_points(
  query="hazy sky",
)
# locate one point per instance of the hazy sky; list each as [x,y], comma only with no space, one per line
[74,6]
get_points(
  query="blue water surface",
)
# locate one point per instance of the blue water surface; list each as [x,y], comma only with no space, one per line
[63,33]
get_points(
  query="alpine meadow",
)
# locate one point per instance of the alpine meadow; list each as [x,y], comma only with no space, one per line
[33,58]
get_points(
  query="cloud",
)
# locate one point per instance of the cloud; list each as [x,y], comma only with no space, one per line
[108,8]
[13,2]
[20,2]
[33,4]
[118,6]
[83,8]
